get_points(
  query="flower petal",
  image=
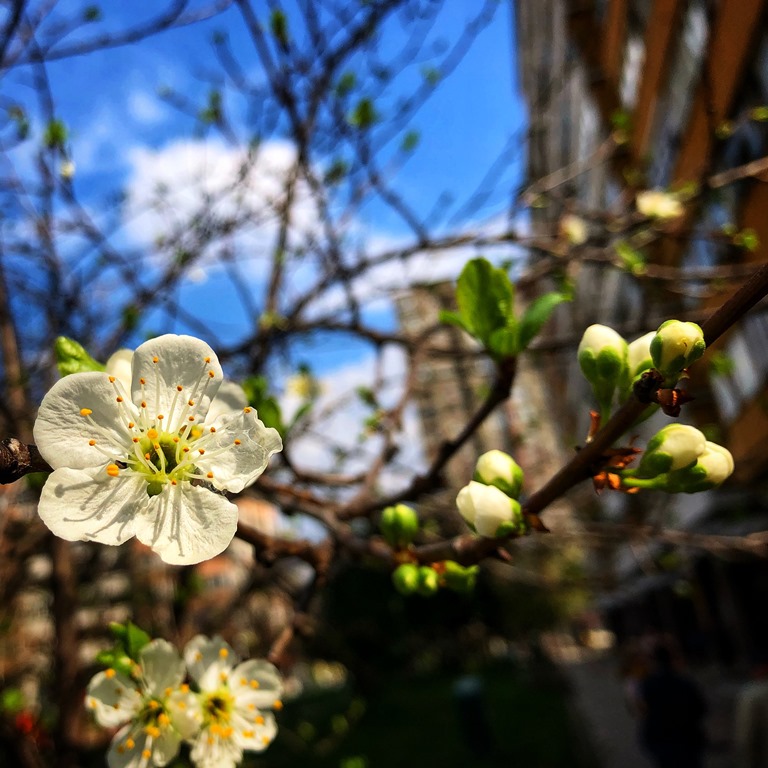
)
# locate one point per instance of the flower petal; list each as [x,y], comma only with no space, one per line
[186,524]
[258,734]
[63,434]
[77,506]
[229,399]
[165,746]
[207,659]
[239,450]
[120,366]
[184,710]
[161,667]
[113,698]
[212,751]
[255,682]
[169,362]
[127,748]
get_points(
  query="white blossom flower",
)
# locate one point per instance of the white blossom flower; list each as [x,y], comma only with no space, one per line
[659,205]
[155,709]
[574,229]
[488,509]
[235,700]
[500,469]
[147,462]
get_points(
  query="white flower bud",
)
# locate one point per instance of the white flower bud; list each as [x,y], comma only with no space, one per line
[602,357]
[574,229]
[676,345]
[639,355]
[713,467]
[659,205]
[486,508]
[671,448]
[501,470]
[67,170]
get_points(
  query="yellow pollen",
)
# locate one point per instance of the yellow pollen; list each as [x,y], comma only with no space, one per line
[278,705]
[160,416]
[265,739]
[185,688]
[146,754]
[175,439]
[248,734]
[136,440]
[209,475]
[143,403]
[190,418]
[237,442]
[119,399]
[223,652]
[198,656]
[111,379]
[185,449]
[190,403]
[211,740]
[254,683]
[179,388]
[251,706]
[156,446]
[146,456]
[155,359]
[163,719]
[91,442]
[173,482]
[92,703]
[152,434]
[181,704]
[201,451]
[223,676]
[131,425]
[130,743]
[206,359]
[259,720]
[247,409]
[153,705]
[152,730]
[142,381]
[110,673]
[211,374]
[85,411]
[243,681]
[168,692]
[213,429]
[113,470]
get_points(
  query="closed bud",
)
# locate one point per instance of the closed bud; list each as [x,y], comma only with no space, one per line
[501,470]
[71,357]
[429,581]
[458,578]
[675,346]
[399,525]
[656,204]
[488,510]
[674,447]
[574,229]
[712,468]
[406,578]
[603,361]
[639,357]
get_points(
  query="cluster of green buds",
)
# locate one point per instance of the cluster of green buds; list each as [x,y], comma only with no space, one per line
[489,504]
[612,366]
[679,459]
[426,580]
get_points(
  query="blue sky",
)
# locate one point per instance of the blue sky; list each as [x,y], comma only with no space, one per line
[110,104]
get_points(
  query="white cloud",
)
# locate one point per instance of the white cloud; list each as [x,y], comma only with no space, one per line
[145,108]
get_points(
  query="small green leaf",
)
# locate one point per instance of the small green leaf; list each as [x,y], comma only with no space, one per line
[278,24]
[135,639]
[267,407]
[485,297]
[363,115]
[632,259]
[346,83]
[503,342]
[536,316]
[410,141]
[452,318]
[55,135]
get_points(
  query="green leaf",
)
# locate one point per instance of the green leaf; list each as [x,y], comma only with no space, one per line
[452,318]
[503,342]
[71,357]
[632,259]
[55,135]
[278,24]
[346,83]
[536,316]
[363,115]
[135,639]
[92,13]
[410,141]
[485,297]
[257,393]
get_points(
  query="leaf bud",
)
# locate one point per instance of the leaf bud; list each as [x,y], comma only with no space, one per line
[429,581]
[71,357]
[406,578]
[458,578]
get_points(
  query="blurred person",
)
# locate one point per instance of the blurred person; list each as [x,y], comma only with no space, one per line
[672,710]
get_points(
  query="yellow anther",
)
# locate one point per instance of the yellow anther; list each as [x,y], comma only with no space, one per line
[265,739]
[181,704]
[248,734]
[91,703]
[179,388]
[278,705]
[130,743]
[160,416]
[91,442]
[119,399]
[185,449]
[85,411]
[223,652]
[175,439]
[211,740]
[243,681]
[156,446]
[131,425]
[147,456]
[136,440]
[146,754]
[155,359]
[209,475]
[259,720]
[111,379]
[251,706]
[223,676]
[167,692]
[190,403]
[143,403]
[173,482]
[213,429]
[247,409]
[163,719]
[190,418]
[211,374]
[153,705]
[142,381]
[198,656]
[201,451]
[113,470]
[185,688]
[152,433]
[237,442]
[152,730]
[206,359]
[110,673]
[254,683]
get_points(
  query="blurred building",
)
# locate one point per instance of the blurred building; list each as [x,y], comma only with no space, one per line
[625,95]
